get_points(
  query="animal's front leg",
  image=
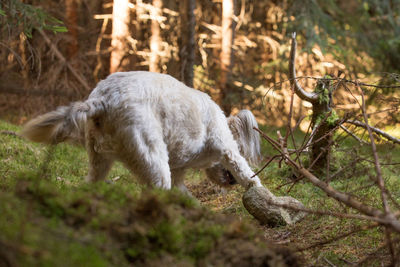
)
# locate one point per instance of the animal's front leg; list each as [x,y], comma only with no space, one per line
[99,166]
[178,176]
[237,165]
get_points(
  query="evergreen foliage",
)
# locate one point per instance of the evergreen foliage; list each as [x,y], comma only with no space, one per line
[17,17]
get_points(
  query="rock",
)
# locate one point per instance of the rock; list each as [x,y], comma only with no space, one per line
[259,202]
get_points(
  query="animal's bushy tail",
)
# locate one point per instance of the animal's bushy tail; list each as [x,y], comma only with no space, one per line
[66,123]
[248,139]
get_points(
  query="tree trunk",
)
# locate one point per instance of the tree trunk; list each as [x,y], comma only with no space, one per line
[321,100]
[187,40]
[320,149]
[120,32]
[71,10]
[155,40]
[322,125]
[226,53]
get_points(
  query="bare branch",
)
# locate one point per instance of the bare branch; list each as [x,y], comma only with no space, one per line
[375,130]
[332,213]
[381,183]
[390,219]
[62,59]
[300,92]
[353,135]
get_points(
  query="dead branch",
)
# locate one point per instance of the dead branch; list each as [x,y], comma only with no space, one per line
[353,135]
[15,90]
[375,130]
[332,213]
[381,183]
[341,170]
[283,144]
[266,165]
[345,81]
[389,218]
[304,95]
[58,54]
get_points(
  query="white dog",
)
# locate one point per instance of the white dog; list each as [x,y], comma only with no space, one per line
[158,127]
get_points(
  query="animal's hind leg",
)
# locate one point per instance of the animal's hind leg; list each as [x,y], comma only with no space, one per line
[240,169]
[146,155]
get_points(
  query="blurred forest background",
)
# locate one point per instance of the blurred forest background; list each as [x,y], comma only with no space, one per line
[54,52]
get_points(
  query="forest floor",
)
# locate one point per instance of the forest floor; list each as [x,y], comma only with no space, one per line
[51,217]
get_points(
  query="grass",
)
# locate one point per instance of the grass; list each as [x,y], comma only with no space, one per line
[50,217]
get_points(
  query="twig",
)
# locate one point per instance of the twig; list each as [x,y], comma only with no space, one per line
[63,60]
[328,165]
[266,165]
[315,129]
[342,169]
[288,183]
[347,81]
[381,183]
[336,238]
[15,90]
[9,133]
[283,144]
[353,135]
[330,263]
[375,130]
[368,257]
[350,201]
[332,213]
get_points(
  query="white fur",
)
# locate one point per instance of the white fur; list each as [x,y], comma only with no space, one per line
[156,126]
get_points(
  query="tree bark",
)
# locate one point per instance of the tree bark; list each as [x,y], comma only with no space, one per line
[120,32]
[71,10]
[321,107]
[323,140]
[155,40]
[226,56]
[187,40]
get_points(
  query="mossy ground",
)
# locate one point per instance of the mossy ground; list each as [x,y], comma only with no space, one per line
[50,217]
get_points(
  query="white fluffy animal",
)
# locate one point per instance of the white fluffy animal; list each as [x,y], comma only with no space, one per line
[158,127]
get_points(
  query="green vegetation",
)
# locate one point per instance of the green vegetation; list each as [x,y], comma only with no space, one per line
[50,217]
[19,16]
[347,29]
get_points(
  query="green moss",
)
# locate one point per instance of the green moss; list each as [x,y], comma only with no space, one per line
[331,120]
[323,89]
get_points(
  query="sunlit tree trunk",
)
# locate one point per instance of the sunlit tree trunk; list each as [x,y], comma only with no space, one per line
[155,40]
[71,7]
[24,61]
[120,32]
[226,53]
[187,40]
